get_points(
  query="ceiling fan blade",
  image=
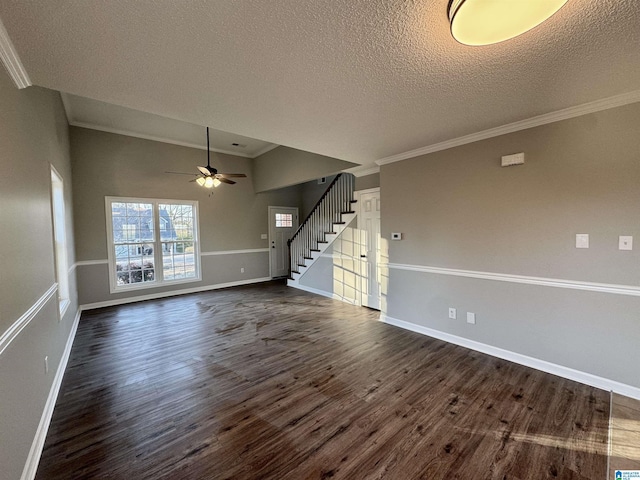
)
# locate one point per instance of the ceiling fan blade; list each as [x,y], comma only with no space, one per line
[232,175]
[225,180]
[207,170]
[183,173]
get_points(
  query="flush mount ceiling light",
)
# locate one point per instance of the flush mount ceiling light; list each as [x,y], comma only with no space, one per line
[483,22]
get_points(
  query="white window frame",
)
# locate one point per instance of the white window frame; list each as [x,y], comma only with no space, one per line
[59,225]
[159,280]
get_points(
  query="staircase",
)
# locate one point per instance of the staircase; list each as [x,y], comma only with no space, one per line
[325,223]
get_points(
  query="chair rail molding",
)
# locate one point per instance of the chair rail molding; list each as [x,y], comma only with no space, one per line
[630,290]
[14,330]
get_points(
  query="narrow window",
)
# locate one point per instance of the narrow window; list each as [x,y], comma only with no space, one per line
[60,240]
[284,220]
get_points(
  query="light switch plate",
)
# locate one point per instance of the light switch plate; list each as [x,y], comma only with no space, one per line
[471,318]
[263,236]
[582,240]
[625,242]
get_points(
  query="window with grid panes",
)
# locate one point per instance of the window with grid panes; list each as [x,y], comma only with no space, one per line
[152,242]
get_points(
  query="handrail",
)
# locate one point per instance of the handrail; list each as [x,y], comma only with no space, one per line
[326,192]
[321,220]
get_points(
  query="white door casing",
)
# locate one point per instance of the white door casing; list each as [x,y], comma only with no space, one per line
[369,226]
[283,223]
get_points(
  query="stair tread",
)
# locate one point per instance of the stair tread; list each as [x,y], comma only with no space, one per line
[353,201]
[322,242]
[339,223]
[345,213]
[314,250]
[330,233]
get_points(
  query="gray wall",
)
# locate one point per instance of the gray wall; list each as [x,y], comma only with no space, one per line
[232,218]
[367,181]
[33,135]
[458,209]
[283,166]
[310,193]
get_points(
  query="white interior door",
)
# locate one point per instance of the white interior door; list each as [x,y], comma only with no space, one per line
[369,225]
[283,223]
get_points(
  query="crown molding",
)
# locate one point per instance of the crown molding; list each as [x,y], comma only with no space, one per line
[363,170]
[154,138]
[565,114]
[11,60]
[92,126]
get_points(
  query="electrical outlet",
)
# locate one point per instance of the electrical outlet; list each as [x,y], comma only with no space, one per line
[242,270]
[263,236]
[46,364]
[625,242]
[452,313]
[471,318]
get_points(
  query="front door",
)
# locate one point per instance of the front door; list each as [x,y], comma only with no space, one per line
[369,225]
[283,223]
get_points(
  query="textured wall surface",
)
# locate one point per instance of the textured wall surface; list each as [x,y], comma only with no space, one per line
[232,217]
[282,167]
[33,136]
[459,210]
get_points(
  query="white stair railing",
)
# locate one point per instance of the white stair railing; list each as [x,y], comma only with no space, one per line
[337,200]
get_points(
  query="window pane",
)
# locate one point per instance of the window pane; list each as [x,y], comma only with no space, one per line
[178,260]
[135,270]
[168,215]
[284,220]
[60,239]
[131,222]
[135,244]
[177,222]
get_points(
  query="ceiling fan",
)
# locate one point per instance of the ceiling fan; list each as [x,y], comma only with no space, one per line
[209,176]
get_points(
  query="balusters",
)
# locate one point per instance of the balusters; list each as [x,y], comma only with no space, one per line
[337,199]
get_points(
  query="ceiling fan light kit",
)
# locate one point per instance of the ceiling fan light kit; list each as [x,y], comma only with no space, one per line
[485,22]
[209,176]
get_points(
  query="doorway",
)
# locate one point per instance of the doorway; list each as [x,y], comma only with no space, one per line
[283,223]
[369,226]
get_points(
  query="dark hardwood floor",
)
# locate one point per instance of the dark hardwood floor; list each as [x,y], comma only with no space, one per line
[268,382]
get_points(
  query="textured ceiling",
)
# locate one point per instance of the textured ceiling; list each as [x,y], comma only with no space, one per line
[85,112]
[358,80]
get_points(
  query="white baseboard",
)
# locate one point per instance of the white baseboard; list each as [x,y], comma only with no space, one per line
[172,293]
[35,452]
[333,296]
[542,365]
